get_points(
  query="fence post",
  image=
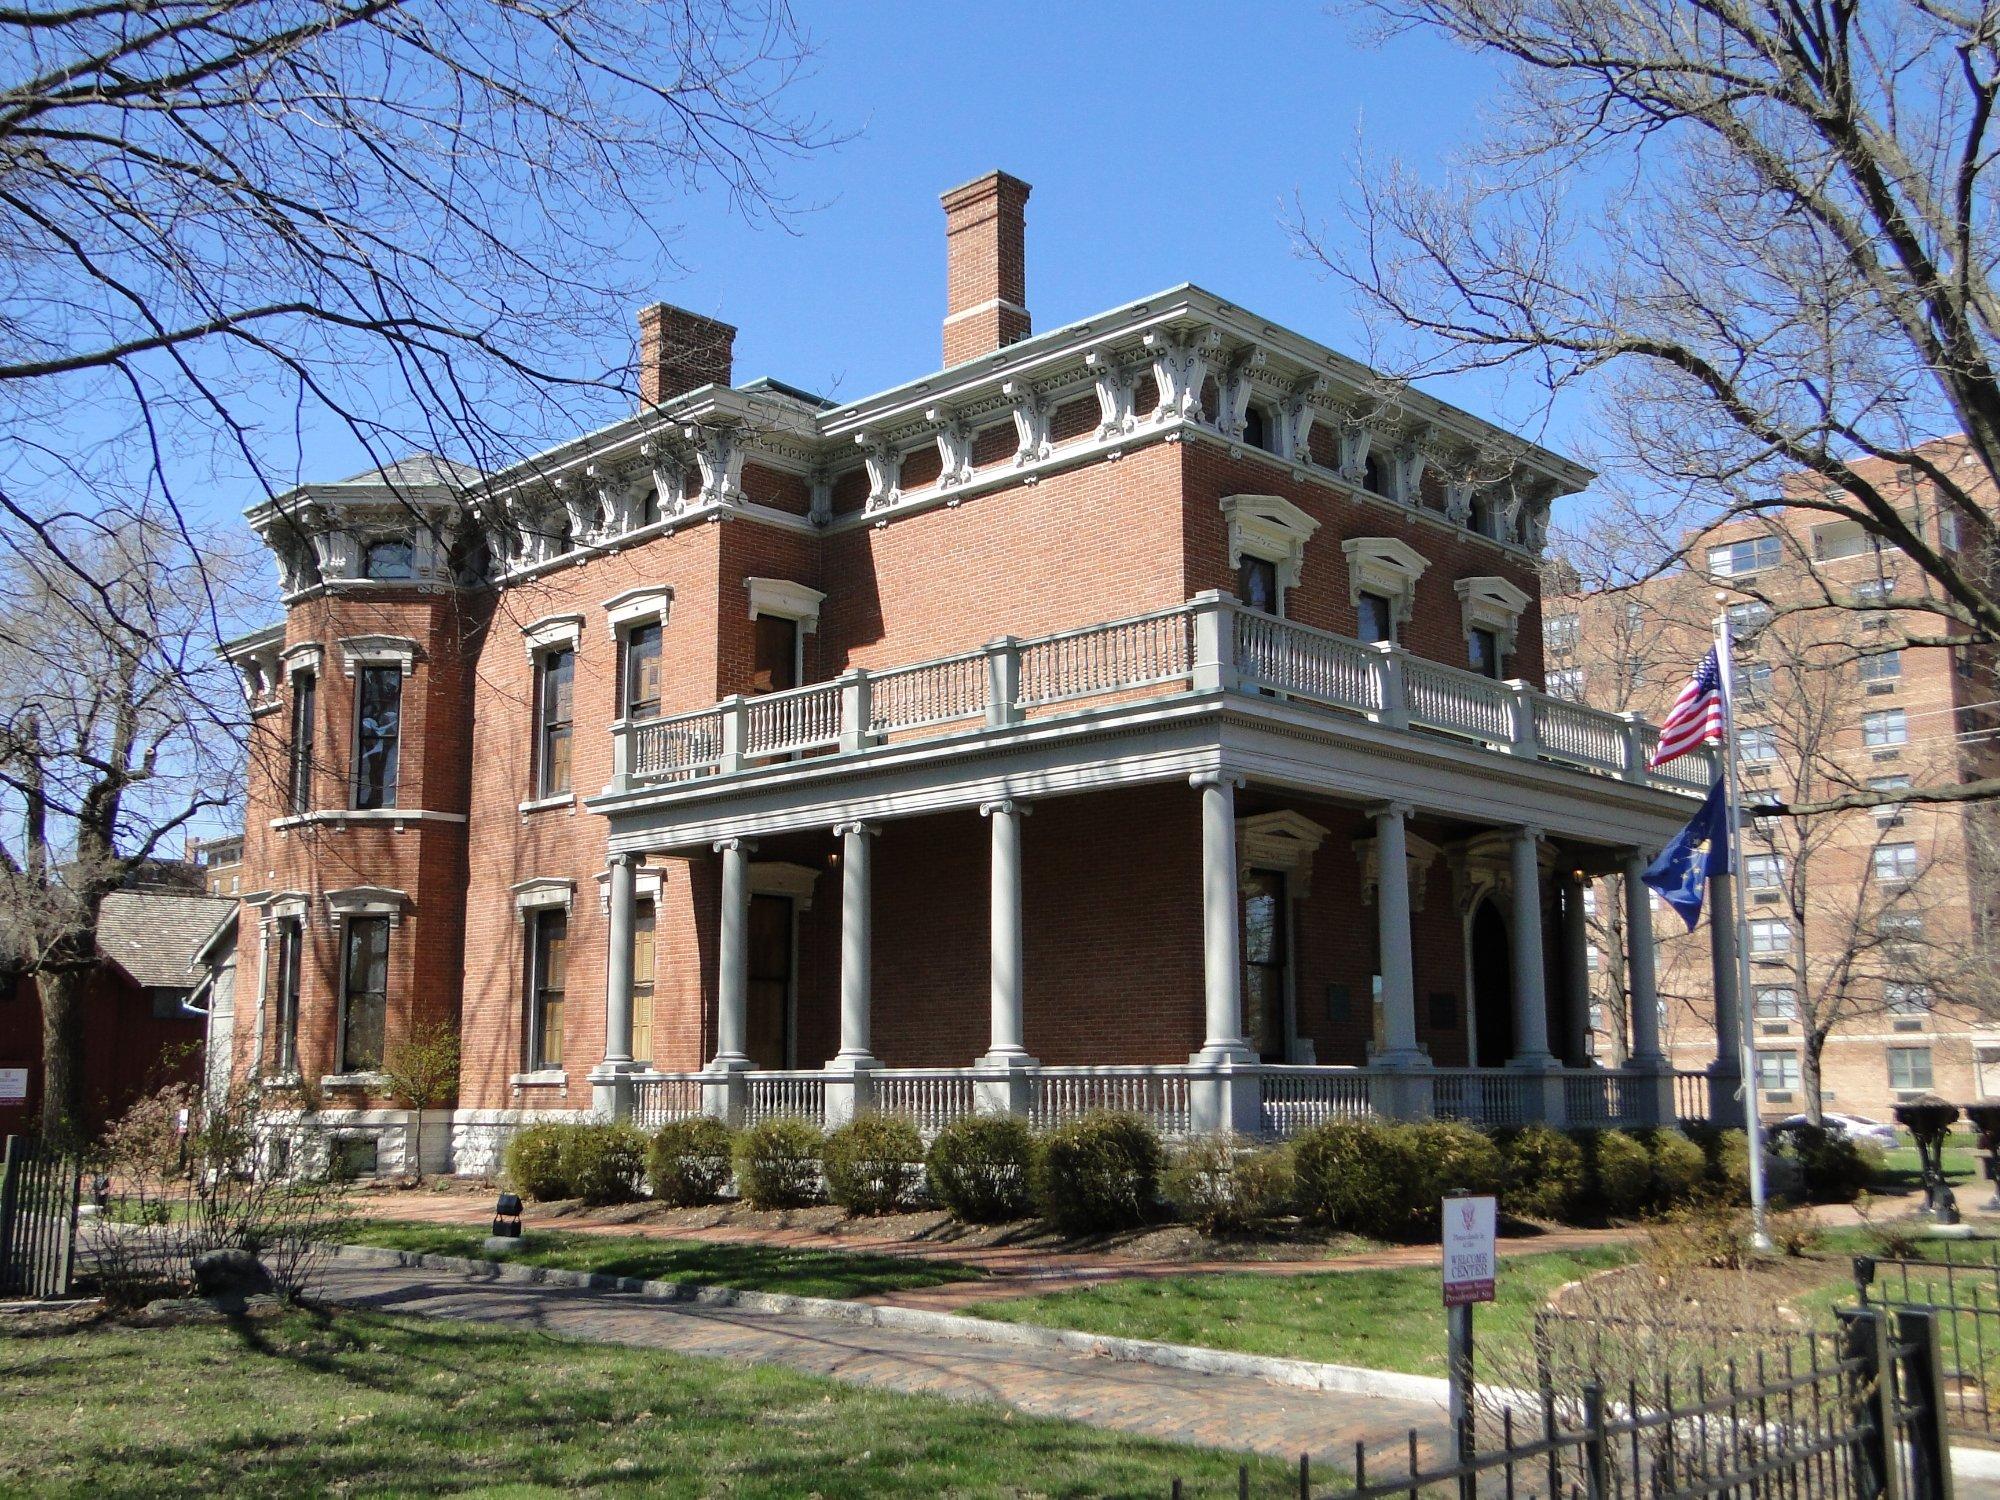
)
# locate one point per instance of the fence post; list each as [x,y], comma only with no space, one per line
[1003,681]
[1921,1368]
[1596,1450]
[1391,687]
[857,711]
[1864,1341]
[735,733]
[1215,667]
[10,1192]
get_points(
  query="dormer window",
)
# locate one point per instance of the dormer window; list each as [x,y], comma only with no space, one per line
[649,507]
[1257,428]
[1374,475]
[389,558]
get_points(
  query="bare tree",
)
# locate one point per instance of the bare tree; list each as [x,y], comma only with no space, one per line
[119,731]
[1762,235]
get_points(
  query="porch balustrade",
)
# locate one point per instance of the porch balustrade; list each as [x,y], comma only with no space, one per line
[1293,1099]
[1207,644]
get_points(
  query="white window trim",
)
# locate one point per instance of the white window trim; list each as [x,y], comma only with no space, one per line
[1386,566]
[1419,854]
[1492,603]
[1270,528]
[779,878]
[541,893]
[1283,841]
[552,633]
[785,600]
[377,651]
[306,656]
[647,884]
[367,901]
[649,605]
[344,906]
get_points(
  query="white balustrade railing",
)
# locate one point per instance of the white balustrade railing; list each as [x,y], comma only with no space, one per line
[769,1095]
[1312,664]
[1691,1096]
[1441,697]
[1486,1096]
[804,718]
[929,1099]
[1159,1094]
[1595,1096]
[660,1097]
[1298,1098]
[1205,643]
[1126,654]
[932,692]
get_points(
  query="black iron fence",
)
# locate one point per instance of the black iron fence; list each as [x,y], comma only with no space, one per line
[1853,1414]
[38,1201]
[1962,1286]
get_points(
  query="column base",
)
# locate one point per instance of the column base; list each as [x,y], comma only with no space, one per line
[850,1087]
[1728,1109]
[1227,1099]
[1654,1093]
[1006,1085]
[611,1091]
[725,1092]
[1545,1103]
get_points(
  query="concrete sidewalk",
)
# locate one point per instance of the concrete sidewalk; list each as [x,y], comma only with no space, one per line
[1233,1412]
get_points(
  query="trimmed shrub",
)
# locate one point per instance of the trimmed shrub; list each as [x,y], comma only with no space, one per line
[1098,1172]
[602,1163]
[1386,1181]
[1542,1172]
[1224,1185]
[1619,1172]
[872,1162]
[980,1168]
[533,1162]
[1831,1168]
[1453,1158]
[688,1162]
[1680,1170]
[777,1162]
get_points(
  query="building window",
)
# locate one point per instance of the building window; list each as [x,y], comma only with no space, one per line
[1888,814]
[644,921]
[1757,743]
[1895,863]
[1560,633]
[1257,585]
[1265,945]
[1873,590]
[1909,1069]
[291,944]
[1777,1002]
[1905,999]
[389,558]
[1375,617]
[639,676]
[1482,651]
[305,713]
[1753,682]
[649,506]
[364,994]
[1764,872]
[1899,924]
[1749,616]
[547,978]
[1256,428]
[1778,1072]
[776,665]
[1884,666]
[1734,559]
[378,694]
[1886,726]
[1374,475]
[1769,938]
[555,708]
[1567,682]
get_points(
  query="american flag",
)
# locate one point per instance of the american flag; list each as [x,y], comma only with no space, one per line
[1696,717]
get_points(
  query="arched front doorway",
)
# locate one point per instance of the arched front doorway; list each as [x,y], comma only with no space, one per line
[1492,986]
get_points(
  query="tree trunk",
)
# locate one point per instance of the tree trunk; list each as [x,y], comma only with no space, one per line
[1809,1076]
[62,992]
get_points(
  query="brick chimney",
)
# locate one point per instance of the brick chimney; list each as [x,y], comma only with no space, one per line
[680,351]
[986,266]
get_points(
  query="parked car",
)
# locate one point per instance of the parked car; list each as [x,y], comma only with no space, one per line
[1856,1127]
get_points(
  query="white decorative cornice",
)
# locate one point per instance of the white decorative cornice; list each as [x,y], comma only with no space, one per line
[1492,603]
[1236,389]
[1386,566]
[1114,386]
[1180,368]
[552,632]
[648,605]
[377,651]
[885,470]
[787,600]
[1031,422]
[1269,527]
[368,901]
[1419,855]
[718,451]
[1284,841]
[954,445]
[779,878]
[541,893]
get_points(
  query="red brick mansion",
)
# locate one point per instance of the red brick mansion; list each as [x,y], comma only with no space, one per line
[1143,713]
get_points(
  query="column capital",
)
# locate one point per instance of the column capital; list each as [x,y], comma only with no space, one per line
[1391,809]
[1638,854]
[1006,805]
[626,858]
[855,825]
[1203,779]
[1532,832]
[723,846]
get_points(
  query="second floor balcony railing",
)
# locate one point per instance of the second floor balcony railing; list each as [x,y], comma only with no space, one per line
[1209,644]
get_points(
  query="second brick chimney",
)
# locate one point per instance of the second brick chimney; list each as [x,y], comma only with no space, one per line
[680,351]
[986,266]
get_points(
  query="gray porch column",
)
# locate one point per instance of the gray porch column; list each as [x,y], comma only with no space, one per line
[1007,1052]
[725,1096]
[1531,996]
[1228,1097]
[1727,1102]
[610,1080]
[1643,1002]
[849,1084]
[1576,971]
[1398,1097]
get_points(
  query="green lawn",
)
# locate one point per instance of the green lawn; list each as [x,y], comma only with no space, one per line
[1900,1171]
[1383,1320]
[372,1404]
[762,1268]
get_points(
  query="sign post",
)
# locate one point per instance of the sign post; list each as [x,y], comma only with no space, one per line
[1469,1260]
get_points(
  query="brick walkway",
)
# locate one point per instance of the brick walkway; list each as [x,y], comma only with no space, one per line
[1215,1411]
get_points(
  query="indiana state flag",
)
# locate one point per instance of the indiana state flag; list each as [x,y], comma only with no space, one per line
[1699,850]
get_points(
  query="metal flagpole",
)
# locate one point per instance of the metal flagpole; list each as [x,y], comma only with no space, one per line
[1753,1124]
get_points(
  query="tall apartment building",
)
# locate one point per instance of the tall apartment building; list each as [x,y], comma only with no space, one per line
[1144,712]
[1872,927]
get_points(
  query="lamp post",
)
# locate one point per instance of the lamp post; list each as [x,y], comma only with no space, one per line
[1929,1118]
